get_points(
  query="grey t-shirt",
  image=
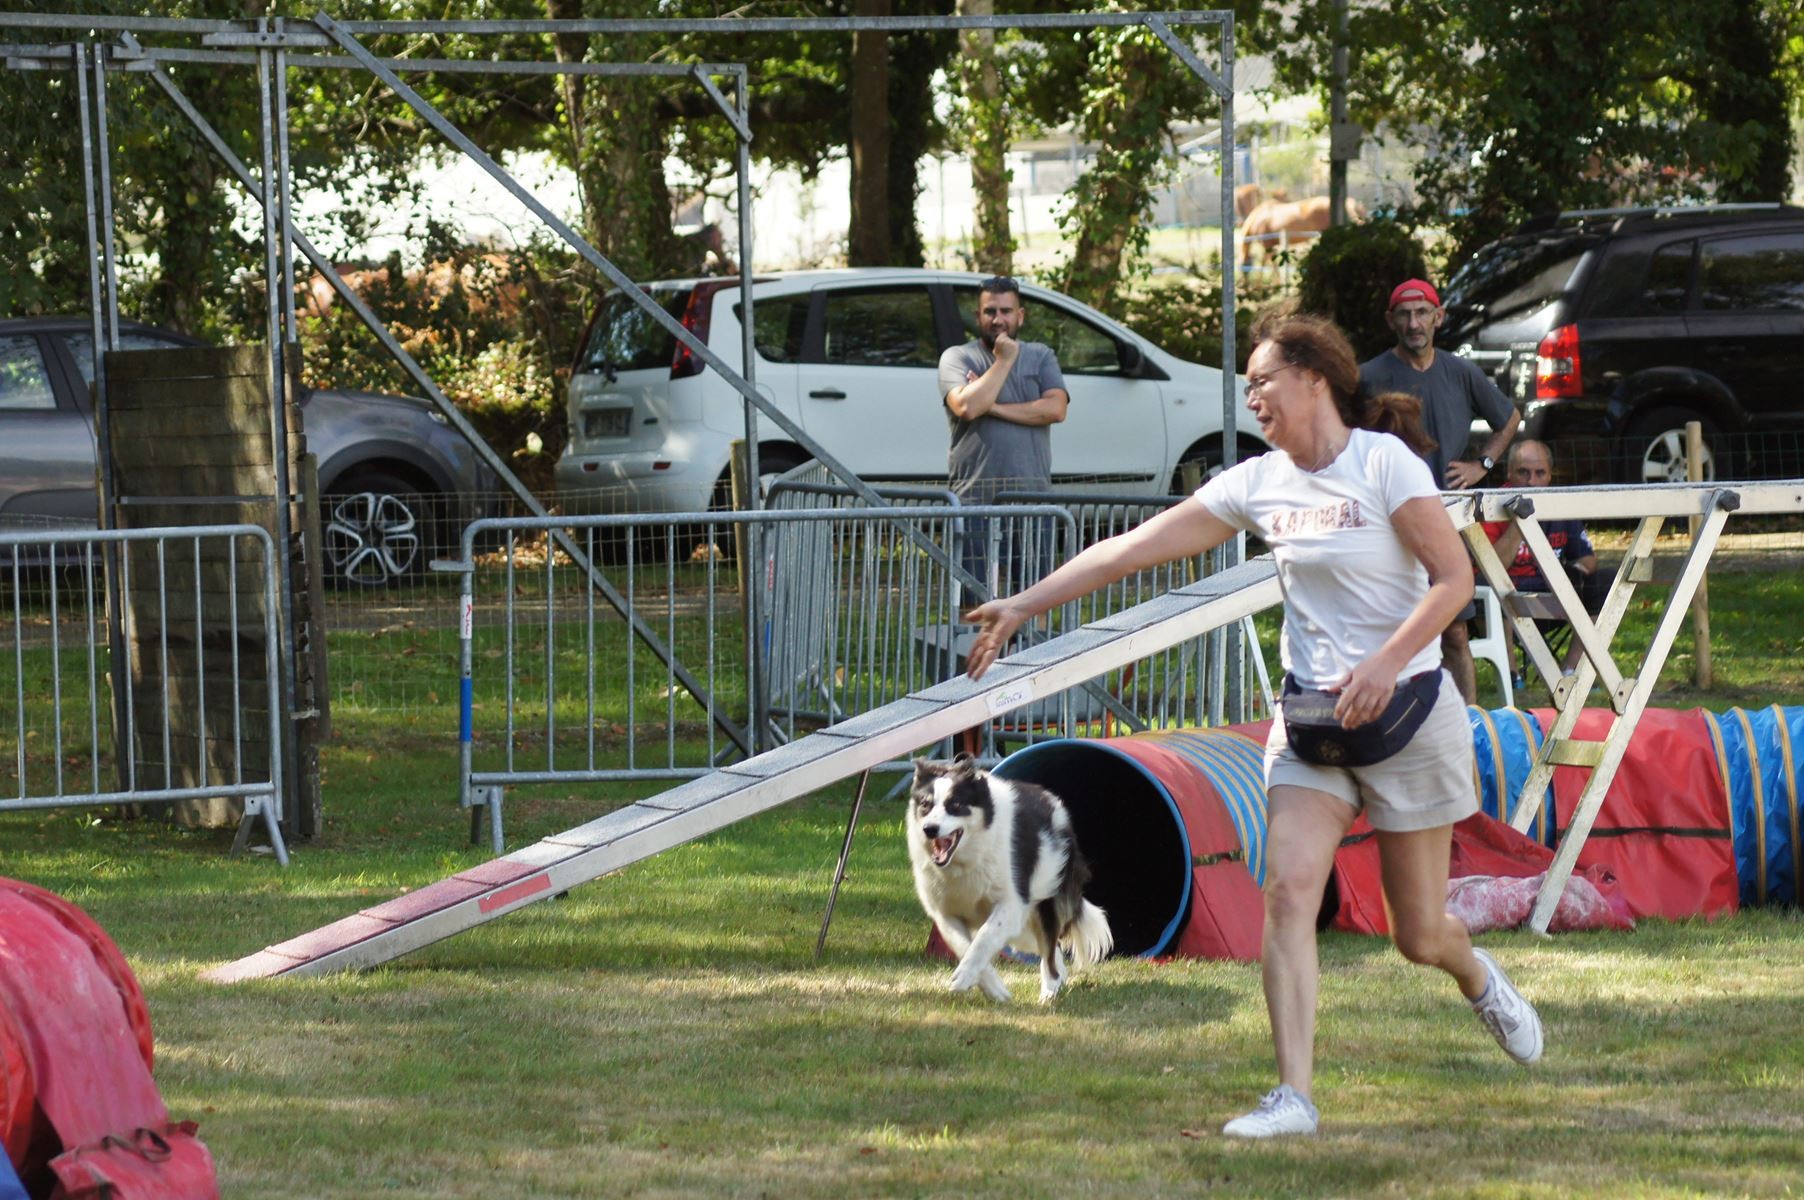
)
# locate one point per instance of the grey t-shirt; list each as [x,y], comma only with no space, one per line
[989,454]
[1453,391]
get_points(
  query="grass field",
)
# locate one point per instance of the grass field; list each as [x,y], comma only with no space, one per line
[667,1031]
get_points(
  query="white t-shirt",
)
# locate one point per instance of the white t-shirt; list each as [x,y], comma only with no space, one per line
[1347,579]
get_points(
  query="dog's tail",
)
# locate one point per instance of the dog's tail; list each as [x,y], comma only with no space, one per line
[1088,938]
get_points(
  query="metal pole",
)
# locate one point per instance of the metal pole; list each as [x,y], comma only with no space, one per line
[99,307]
[285,183]
[1235,550]
[103,159]
[845,853]
[1337,102]
[276,278]
[758,711]
[96,294]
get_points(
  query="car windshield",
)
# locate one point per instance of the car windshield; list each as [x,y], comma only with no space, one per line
[626,338]
[1516,273]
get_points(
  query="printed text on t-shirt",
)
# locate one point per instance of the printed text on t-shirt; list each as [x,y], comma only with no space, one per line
[1296,521]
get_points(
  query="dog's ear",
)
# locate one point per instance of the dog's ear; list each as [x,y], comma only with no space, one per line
[927,768]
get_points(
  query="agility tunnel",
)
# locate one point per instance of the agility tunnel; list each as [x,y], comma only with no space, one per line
[79,1112]
[1757,754]
[1703,816]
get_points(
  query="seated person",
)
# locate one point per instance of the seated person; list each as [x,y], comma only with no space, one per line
[1530,466]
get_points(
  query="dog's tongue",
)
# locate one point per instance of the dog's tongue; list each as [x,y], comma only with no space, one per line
[942,848]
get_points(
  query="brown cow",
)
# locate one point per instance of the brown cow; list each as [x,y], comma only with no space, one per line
[1276,222]
[1248,196]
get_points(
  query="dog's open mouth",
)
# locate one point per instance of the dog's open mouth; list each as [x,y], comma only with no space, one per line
[943,847]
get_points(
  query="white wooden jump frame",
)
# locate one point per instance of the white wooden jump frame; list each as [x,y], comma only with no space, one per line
[1628,692]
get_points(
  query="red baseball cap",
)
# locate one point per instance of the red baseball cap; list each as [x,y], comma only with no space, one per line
[1414,289]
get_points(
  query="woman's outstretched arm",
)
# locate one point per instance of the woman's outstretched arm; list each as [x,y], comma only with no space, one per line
[1181,531]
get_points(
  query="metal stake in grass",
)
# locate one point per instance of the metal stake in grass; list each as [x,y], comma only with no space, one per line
[839,872]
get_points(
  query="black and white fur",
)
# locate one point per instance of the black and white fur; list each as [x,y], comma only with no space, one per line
[996,863]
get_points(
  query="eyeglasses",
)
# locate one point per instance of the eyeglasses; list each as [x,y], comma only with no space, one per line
[1256,384]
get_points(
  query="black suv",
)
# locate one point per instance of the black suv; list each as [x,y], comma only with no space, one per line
[1625,324]
[397,482]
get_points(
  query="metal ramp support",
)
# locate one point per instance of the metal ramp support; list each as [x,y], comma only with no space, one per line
[745,789]
[1629,691]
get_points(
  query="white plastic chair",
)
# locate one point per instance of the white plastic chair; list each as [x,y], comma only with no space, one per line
[1494,646]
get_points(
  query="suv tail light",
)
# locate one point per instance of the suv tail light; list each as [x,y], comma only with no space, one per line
[1557,365]
[696,315]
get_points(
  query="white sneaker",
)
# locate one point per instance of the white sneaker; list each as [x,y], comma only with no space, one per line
[1512,1020]
[1284,1110]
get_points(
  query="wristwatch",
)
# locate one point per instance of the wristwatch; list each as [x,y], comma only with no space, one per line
[1487,462]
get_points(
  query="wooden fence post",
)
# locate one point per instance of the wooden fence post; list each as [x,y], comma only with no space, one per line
[1700,603]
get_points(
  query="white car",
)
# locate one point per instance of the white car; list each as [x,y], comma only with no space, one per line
[852,357]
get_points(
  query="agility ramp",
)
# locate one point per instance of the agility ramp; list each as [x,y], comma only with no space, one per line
[745,789]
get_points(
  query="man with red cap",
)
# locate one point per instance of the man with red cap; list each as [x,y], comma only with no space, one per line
[1454,391]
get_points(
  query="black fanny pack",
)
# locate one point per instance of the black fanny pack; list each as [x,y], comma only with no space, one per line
[1318,737]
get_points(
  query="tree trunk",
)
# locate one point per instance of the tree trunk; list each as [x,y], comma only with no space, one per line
[868,240]
[193,208]
[914,59]
[569,48]
[986,141]
[618,141]
[1114,196]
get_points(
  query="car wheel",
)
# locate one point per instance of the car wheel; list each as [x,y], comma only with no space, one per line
[1654,451]
[376,530]
[772,465]
[1207,456]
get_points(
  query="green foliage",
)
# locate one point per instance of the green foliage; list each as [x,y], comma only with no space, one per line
[1183,315]
[493,331]
[1130,89]
[1348,274]
[184,257]
[1122,88]
[1528,109]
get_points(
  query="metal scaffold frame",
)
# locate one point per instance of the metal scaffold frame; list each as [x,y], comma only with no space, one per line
[274,45]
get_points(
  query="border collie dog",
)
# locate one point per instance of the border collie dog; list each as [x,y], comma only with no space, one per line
[996,863]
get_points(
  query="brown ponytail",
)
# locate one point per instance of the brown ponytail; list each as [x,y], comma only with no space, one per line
[1398,414]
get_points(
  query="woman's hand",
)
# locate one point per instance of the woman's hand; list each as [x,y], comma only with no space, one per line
[1365,692]
[998,621]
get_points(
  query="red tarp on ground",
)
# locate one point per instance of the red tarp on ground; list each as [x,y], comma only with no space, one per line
[1482,848]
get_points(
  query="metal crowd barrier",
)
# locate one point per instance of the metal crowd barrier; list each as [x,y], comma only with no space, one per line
[159,706]
[854,613]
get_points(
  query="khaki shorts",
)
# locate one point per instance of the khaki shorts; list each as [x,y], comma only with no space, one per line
[1425,785]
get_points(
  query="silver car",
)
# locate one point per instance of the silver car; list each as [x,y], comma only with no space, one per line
[398,482]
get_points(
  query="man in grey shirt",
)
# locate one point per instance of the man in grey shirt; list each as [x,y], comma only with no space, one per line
[1453,391]
[1002,398]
